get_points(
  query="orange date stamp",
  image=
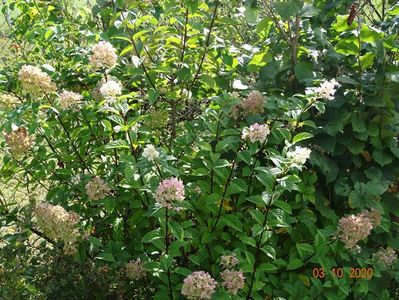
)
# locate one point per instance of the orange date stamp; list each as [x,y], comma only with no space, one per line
[339,272]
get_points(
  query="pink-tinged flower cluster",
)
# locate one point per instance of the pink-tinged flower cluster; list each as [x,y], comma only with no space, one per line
[229,261]
[354,228]
[97,189]
[387,256]
[18,141]
[252,105]
[58,224]
[232,280]
[35,81]
[256,132]
[69,99]
[134,269]
[198,285]
[104,56]
[169,192]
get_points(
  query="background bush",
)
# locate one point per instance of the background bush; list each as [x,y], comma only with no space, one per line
[188,72]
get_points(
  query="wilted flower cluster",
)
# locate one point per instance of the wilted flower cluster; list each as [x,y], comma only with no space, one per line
[299,155]
[326,89]
[35,81]
[229,261]
[150,153]
[169,191]
[198,285]
[58,224]
[134,269]
[69,99]
[253,104]
[256,133]
[19,141]
[104,56]
[232,280]
[374,216]
[387,256]
[97,189]
[354,228]
[111,89]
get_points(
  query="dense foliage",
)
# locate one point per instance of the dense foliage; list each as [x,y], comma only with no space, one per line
[200,149]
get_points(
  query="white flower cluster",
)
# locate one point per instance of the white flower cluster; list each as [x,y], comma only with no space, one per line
[150,153]
[69,99]
[299,155]
[111,89]
[8,101]
[35,81]
[58,224]
[104,56]
[326,89]
[256,133]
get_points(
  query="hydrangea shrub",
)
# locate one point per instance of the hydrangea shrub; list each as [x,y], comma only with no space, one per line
[201,150]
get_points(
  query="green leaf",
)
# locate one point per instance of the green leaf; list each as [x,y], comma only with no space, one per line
[233,221]
[250,14]
[382,157]
[370,34]
[289,8]
[267,267]
[49,33]
[106,256]
[341,25]
[283,205]
[327,166]
[126,50]
[309,11]
[151,236]
[289,182]
[348,46]
[109,204]
[304,250]
[269,251]
[301,136]
[304,72]
[394,10]
[177,230]
[367,60]
[250,258]
[118,144]
[192,5]
[294,263]
[358,124]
